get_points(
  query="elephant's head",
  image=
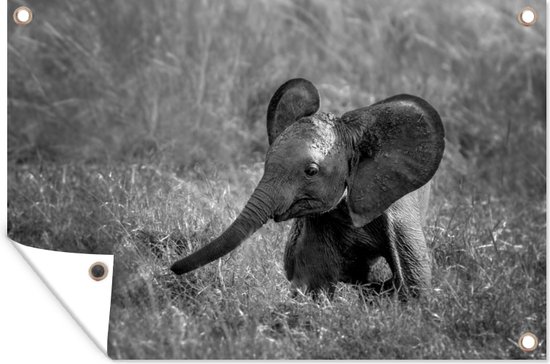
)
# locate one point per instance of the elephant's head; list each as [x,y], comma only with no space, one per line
[371,156]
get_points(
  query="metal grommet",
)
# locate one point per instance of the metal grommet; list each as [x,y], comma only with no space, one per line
[528,342]
[527,16]
[22,15]
[98,271]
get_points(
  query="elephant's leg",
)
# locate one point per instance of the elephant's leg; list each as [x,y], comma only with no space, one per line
[302,280]
[328,290]
[312,262]
[408,257]
[314,283]
[290,248]
[314,291]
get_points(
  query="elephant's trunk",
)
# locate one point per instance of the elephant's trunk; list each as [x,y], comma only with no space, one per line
[257,211]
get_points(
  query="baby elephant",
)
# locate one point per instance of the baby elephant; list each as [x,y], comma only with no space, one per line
[356,186]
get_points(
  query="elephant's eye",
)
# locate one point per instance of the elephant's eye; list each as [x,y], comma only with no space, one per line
[312,170]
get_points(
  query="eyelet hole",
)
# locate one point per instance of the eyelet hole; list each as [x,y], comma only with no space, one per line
[98,271]
[528,342]
[22,15]
[527,16]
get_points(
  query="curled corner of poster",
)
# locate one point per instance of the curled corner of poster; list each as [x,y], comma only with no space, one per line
[67,276]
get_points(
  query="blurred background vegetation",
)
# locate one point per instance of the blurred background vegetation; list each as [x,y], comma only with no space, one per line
[186,83]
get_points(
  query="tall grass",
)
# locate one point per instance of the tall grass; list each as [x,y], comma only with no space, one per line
[138,128]
[188,81]
[489,272]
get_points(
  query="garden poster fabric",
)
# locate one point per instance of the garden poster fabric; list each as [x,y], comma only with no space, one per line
[237,179]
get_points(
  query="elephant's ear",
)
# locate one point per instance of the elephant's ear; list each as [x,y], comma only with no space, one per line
[399,144]
[295,99]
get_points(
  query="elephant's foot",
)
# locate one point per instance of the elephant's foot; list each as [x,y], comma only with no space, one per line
[316,293]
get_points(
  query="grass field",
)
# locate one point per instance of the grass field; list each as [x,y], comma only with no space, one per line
[489,268]
[138,128]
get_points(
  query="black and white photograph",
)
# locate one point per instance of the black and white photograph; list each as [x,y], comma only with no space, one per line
[290,179]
